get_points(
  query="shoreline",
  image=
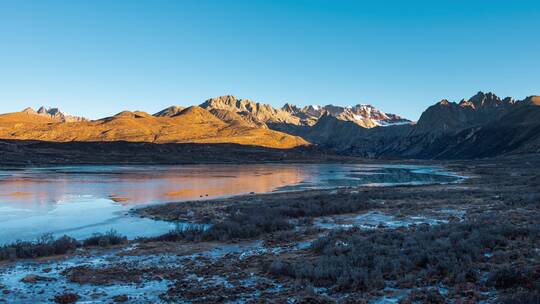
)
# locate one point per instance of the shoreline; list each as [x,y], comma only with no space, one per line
[314,177]
[272,250]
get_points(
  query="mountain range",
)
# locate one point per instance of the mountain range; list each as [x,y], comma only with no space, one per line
[481,126]
[191,125]
[365,116]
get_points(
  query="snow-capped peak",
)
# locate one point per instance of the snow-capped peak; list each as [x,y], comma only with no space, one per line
[363,114]
[55,114]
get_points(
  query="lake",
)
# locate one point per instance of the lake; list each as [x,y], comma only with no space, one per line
[81,200]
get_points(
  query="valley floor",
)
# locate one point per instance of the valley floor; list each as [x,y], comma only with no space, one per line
[476,240]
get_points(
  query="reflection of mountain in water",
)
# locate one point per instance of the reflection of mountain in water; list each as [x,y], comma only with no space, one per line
[399,176]
[82,200]
[349,176]
[42,189]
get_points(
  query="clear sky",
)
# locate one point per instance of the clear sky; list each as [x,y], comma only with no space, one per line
[96,58]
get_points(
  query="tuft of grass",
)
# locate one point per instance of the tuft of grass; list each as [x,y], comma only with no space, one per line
[47,245]
[110,238]
[44,246]
[238,226]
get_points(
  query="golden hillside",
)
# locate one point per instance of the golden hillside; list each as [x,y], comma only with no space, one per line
[192,125]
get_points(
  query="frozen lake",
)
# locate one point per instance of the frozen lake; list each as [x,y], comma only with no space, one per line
[81,200]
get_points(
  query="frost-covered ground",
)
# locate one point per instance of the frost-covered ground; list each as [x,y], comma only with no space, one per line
[42,280]
[477,241]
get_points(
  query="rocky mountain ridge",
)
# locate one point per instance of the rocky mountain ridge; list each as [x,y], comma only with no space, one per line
[447,116]
[481,126]
[366,116]
[54,114]
[261,115]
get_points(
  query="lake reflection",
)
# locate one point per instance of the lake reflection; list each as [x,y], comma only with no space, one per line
[81,200]
[43,188]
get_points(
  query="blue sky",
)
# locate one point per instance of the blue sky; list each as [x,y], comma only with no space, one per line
[96,58]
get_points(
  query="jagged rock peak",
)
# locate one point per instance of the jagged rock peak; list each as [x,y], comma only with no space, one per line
[262,112]
[482,99]
[54,114]
[42,110]
[508,100]
[315,110]
[290,108]
[480,109]
[230,102]
[221,102]
[362,114]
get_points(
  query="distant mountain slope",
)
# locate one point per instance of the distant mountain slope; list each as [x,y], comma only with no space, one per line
[518,131]
[482,126]
[54,114]
[26,116]
[170,111]
[498,127]
[42,115]
[450,117]
[191,125]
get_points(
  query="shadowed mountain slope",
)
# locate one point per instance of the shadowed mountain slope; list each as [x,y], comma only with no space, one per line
[483,126]
[31,153]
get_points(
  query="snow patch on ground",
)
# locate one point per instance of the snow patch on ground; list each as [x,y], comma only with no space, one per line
[378,220]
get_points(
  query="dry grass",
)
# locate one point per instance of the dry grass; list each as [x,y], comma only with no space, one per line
[192,125]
